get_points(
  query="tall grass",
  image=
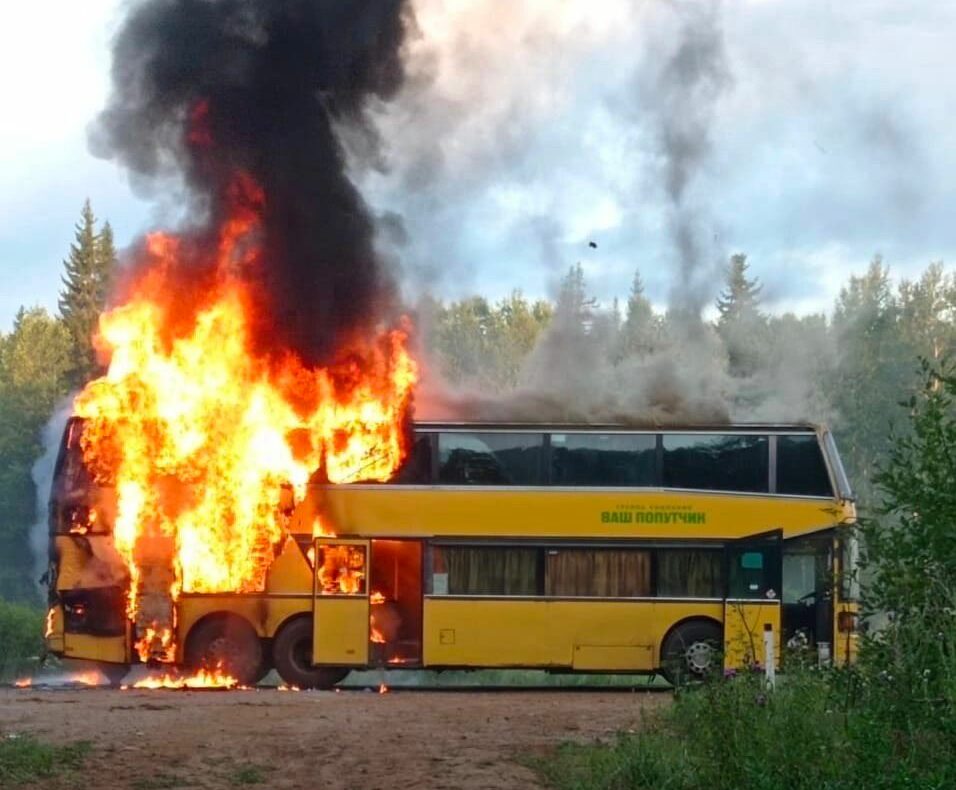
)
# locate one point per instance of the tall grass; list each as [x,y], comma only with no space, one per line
[818,730]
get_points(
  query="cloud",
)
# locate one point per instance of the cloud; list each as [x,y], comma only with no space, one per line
[531,128]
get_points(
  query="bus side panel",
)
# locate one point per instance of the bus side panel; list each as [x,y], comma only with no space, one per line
[340,631]
[744,623]
[595,635]
[264,613]
[109,649]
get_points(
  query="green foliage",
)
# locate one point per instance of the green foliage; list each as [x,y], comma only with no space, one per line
[24,759]
[814,731]
[34,362]
[88,275]
[21,638]
[478,344]
[910,553]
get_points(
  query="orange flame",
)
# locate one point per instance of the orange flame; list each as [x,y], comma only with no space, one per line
[198,431]
[203,679]
[23,683]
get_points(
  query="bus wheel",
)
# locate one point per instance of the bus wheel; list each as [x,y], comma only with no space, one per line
[228,643]
[292,656]
[691,653]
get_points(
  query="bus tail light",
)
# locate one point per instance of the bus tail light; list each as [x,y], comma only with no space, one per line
[847,622]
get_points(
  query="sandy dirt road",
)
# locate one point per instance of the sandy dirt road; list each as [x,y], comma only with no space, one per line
[347,739]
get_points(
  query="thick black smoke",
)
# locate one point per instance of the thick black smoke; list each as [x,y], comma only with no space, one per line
[205,88]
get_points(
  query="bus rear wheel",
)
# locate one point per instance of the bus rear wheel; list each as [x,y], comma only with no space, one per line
[691,653]
[292,656]
[229,644]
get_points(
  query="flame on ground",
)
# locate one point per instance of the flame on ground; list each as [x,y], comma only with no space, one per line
[203,679]
[198,432]
[86,678]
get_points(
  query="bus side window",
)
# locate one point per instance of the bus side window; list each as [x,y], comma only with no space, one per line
[716,462]
[481,458]
[483,570]
[800,467]
[417,468]
[603,459]
[690,573]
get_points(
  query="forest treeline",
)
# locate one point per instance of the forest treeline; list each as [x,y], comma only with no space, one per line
[851,368]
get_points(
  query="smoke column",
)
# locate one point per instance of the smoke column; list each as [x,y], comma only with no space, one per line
[205,90]
[42,474]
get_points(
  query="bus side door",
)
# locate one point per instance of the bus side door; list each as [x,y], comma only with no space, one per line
[341,602]
[753,599]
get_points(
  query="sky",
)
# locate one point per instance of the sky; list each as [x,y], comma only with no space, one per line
[807,134]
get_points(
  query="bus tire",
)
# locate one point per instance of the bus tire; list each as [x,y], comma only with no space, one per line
[227,643]
[292,656]
[692,652]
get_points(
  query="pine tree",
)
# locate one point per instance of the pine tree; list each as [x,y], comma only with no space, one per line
[639,334]
[106,260]
[575,309]
[88,274]
[741,325]
[741,299]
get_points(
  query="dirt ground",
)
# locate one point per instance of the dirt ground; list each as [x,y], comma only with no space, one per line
[345,739]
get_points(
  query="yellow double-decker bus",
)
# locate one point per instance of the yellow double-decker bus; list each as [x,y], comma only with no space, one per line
[570,548]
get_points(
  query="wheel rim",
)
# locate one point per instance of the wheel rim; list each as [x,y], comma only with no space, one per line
[700,658]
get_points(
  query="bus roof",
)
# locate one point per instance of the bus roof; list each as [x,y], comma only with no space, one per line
[737,427]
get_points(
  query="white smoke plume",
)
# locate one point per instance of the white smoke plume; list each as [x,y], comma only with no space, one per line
[42,473]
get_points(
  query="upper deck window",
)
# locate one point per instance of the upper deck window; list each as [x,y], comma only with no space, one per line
[716,462]
[478,458]
[417,468]
[603,459]
[800,467]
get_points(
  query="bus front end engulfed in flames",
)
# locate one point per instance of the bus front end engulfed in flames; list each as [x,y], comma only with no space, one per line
[199,444]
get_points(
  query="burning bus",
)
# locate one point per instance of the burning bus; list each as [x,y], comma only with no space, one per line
[562,547]
[244,487]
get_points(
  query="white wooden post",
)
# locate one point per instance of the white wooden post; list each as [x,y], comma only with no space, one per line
[769,656]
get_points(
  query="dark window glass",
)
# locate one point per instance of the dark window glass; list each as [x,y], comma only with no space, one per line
[690,573]
[603,459]
[716,462]
[755,570]
[490,458]
[480,570]
[417,467]
[598,573]
[800,467]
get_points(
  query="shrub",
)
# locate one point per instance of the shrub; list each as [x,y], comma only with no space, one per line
[21,638]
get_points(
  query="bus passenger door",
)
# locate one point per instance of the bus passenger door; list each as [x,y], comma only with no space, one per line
[753,600]
[340,603]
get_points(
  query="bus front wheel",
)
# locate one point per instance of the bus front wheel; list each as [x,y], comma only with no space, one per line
[691,652]
[292,656]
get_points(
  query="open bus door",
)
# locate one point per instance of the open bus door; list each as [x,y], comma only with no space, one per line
[341,603]
[752,601]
